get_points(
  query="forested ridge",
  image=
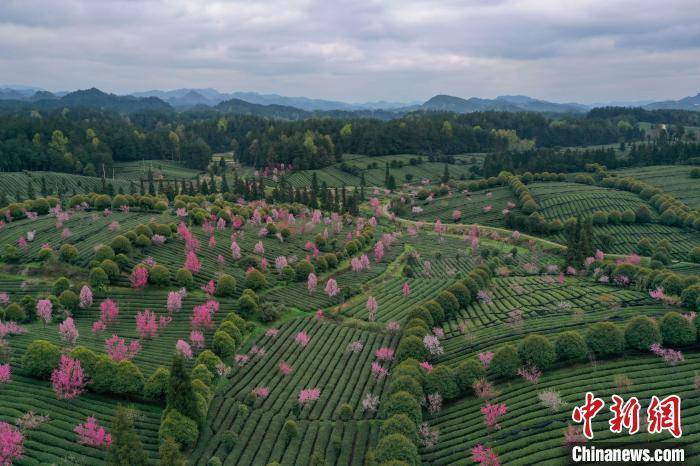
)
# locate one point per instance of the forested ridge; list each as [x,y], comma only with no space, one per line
[84,140]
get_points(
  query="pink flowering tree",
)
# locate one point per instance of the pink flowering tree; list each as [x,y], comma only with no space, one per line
[5,373]
[92,434]
[485,456]
[332,288]
[109,311]
[202,317]
[311,283]
[118,350]
[309,395]
[68,331]
[302,339]
[11,444]
[139,277]
[485,358]
[406,290]
[183,349]
[285,368]
[44,308]
[384,354]
[146,325]
[372,307]
[68,379]
[174,303]
[492,413]
[85,297]
[197,339]
[192,263]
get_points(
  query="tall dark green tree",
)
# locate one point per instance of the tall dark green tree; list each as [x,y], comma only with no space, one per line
[180,395]
[446,174]
[126,448]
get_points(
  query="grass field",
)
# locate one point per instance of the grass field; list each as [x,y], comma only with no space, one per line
[16,184]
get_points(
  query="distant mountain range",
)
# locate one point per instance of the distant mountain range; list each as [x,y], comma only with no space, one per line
[294,108]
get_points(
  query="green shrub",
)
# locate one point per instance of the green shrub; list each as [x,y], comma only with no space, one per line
[247,306]
[605,339]
[462,294]
[179,427]
[411,347]
[345,412]
[449,303]
[641,332]
[60,285]
[442,380]
[68,253]
[69,300]
[128,379]
[537,350]
[159,275]
[570,346]
[41,358]
[403,403]
[223,344]
[255,280]
[183,277]
[406,383]
[121,245]
[111,269]
[411,368]
[10,253]
[399,424]
[505,362]
[209,359]
[436,311]
[157,384]
[467,373]
[695,255]
[15,313]
[396,447]
[202,373]
[690,296]
[229,440]
[87,359]
[676,330]
[104,252]
[291,430]
[226,286]
[269,312]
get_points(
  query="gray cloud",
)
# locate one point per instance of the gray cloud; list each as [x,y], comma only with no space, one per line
[358,50]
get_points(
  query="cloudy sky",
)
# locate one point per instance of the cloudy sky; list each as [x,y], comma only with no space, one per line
[400,50]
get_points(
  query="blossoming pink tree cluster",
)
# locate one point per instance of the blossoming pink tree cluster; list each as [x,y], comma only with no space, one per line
[92,434]
[118,350]
[309,395]
[11,444]
[68,379]
[485,456]
[139,277]
[492,413]
[69,333]
[146,325]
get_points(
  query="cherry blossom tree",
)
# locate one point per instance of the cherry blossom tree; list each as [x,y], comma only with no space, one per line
[202,317]
[139,277]
[370,402]
[492,413]
[85,297]
[118,350]
[92,434]
[384,354]
[302,339]
[197,339]
[44,308]
[485,456]
[309,395]
[285,368]
[108,311]
[434,402]
[68,379]
[146,325]
[311,283]
[372,307]
[11,444]
[192,263]
[486,358]
[183,349]
[406,290]
[428,437]
[69,333]
[5,373]
[174,303]
[332,288]
[235,250]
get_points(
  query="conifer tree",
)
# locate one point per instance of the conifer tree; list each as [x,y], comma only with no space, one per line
[126,448]
[180,395]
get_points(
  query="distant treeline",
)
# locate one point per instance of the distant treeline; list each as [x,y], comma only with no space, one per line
[83,140]
[572,160]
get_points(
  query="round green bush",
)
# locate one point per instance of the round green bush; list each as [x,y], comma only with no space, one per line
[209,359]
[10,253]
[269,312]
[111,269]
[641,332]
[156,386]
[247,306]
[223,345]
[442,380]
[411,347]
[41,358]
[69,300]
[396,447]
[695,255]
[436,311]
[467,373]
[255,280]
[226,286]
[690,296]
[399,424]
[229,440]
[235,319]
[410,368]
[233,331]
[302,269]
[406,383]
[183,277]
[605,339]
[15,313]
[128,379]
[345,412]
[676,330]
[104,252]
[421,312]
[180,428]
[68,253]
[202,373]
[505,362]
[87,358]
[462,294]
[449,303]
[159,275]
[121,245]
[628,216]
[403,403]
[537,350]
[60,285]
[570,346]
[98,277]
